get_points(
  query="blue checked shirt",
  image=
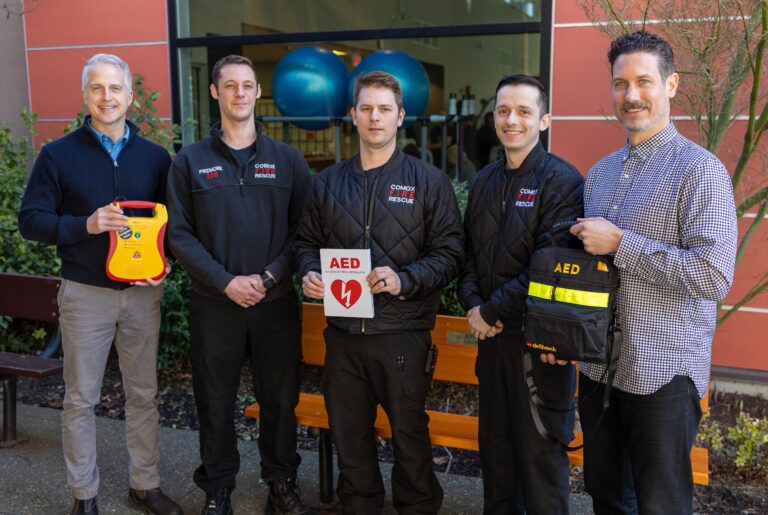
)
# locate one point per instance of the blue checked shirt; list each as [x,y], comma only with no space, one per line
[676,260]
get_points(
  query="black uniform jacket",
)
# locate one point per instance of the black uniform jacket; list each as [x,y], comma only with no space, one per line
[411,223]
[510,214]
[227,220]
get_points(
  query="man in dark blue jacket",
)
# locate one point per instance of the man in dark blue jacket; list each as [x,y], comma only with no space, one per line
[403,210]
[234,201]
[69,203]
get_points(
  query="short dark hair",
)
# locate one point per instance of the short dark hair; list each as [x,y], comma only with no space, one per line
[527,80]
[378,79]
[642,41]
[230,59]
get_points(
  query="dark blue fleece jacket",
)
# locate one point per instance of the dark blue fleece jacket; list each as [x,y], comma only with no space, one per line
[73,177]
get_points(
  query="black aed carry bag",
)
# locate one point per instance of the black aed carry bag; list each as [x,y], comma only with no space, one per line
[571,313]
[571,304]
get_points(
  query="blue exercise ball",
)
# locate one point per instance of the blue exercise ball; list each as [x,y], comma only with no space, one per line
[310,81]
[409,72]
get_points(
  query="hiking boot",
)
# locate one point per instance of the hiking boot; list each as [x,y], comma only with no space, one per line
[85,507]
[154,501]
[285,498]
[218,502]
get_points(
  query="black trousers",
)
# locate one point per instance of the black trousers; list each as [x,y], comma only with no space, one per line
[638,458]
[362,371]
[222,334]
[522,472]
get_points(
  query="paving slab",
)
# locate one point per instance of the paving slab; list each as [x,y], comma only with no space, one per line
[33,480]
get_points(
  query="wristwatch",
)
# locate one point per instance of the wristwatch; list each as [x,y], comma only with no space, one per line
[268,282]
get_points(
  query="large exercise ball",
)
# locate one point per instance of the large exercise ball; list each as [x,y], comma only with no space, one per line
[310,81]
[412,76]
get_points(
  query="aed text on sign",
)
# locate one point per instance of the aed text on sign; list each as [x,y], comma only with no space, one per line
[345,263]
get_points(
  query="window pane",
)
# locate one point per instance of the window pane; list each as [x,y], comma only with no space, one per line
[237,17]
[454,65]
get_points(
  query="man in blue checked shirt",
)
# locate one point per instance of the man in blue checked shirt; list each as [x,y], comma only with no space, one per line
[664,207]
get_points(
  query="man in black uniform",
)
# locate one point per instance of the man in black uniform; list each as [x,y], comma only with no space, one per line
[405,211]
[235,201]
[517,205]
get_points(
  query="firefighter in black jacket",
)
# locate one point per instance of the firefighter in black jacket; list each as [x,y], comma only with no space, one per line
[405,211]
[235,200]
[517,205]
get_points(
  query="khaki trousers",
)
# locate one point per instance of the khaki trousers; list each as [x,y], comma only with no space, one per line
[91,318]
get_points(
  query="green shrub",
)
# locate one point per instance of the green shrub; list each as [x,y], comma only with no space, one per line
[749,436]
[743,447]
[18,255]
[174,331]
[449,298]
[710,435]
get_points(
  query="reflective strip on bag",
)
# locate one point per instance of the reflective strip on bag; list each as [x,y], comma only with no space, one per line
[569,296]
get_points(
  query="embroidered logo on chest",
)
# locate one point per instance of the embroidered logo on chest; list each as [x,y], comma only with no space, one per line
[402,194]
[526,197]
[210,173]
[265,171]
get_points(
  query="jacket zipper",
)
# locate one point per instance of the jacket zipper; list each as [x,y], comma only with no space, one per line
[114,178]
[241,180]
[504,193]
[367,221]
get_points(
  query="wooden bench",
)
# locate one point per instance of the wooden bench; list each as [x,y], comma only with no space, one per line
[456,364]
[33,298]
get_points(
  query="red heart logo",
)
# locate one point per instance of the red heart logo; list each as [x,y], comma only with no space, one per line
[346,292]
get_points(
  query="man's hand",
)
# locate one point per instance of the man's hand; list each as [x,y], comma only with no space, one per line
[384,279]
[552,360]
[152,282]
[497,328]
[243,291]
[259,283]
[598,235]
[312,285]
[479,328]
[106,218]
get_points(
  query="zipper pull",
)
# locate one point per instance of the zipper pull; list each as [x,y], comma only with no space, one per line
[242,193]
[554,289]
[504,194]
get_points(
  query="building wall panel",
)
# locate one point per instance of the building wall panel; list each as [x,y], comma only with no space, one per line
[53,23]
[582,134]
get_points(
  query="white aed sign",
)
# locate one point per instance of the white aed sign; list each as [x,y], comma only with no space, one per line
[347,293]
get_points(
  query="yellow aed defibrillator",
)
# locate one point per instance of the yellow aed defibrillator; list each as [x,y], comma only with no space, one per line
[137,253]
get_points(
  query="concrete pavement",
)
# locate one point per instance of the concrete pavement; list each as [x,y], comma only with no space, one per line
[33,478]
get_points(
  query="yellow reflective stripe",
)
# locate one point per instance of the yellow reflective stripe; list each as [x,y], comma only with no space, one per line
[569,296]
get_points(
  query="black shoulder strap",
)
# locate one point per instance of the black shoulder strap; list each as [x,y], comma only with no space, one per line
[536,402]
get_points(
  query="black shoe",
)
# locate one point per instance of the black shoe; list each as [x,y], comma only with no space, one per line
[285,498]
[85,507]
[154,501]
[218,502]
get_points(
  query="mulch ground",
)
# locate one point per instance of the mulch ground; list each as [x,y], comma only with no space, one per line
[730,490]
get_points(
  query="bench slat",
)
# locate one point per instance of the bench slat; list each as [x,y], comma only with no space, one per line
[29,296]
[456,364]
[451,430]
[28,366]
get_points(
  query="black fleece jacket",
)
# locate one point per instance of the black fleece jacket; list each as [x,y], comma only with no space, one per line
[227,220]
[73,177]
[414,227]
[510,214]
